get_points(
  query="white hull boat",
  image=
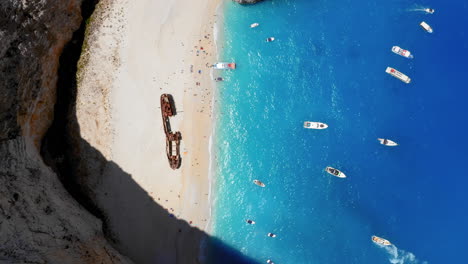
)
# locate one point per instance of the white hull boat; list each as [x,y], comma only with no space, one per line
[314,125]
[270,39]
[429,10]
[402,77]
[270,261]
[259,183]
[402,52]
[254,25]
[224,65]
[271,235]
[251,222]
[426,27]
[387,142]
[335,172]
[380,241]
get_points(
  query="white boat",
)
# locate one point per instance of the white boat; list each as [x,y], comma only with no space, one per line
[271,235]
[426,27]
[398,75]
[270,39]
[402,52]
[254,25]
[335,172]
[248,221]
[387,142]
[314,125]
[380,241]
[224,65]
[269,261]
[429,10]
[259,183]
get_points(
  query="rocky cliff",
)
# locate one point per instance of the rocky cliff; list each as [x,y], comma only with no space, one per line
[40,222]
[247,1]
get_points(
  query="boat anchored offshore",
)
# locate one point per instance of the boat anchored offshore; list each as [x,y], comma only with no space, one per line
[254,25]
[402,52]
[426,27]
[335,172]
[380,241]
[398,75]
[270,39]
[259,183]
[314,125]
[269,261]
[224,65]
[271,235]
[429,10]
[387,142]
[248,221]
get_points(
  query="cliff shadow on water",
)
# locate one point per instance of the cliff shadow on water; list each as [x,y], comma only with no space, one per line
[134,223]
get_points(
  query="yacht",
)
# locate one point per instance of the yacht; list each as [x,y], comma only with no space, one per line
[252,222]
[270,39]
[271,235]
[387,142]
[429,10]
[224,65]
[426,27]
[402,52]
[314,125]
[335,172]
[254,25]
[398,75]
[380,241]
[259,183]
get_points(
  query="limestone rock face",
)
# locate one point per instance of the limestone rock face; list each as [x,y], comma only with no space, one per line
[32,36]
[40,222]
[247,1]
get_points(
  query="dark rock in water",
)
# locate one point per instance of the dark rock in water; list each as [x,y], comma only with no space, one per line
[247,1]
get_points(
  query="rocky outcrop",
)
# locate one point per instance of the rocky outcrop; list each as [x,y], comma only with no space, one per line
[247,1]
[40,222]
[32,36]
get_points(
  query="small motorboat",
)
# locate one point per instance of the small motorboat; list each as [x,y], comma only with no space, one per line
[270,39]
[426,27]
[314,125]
[402,52]
[254,25]
[269,261]
[399,75]
[387,142]
[380,241]
[271,235]
[429,10]
[335,172]
[259,183]
[248,221]
[224,65]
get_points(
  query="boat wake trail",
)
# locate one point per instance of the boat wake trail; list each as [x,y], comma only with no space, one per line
[418,9]
[399,256]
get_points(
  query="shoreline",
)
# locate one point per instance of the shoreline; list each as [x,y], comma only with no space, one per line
[211,148]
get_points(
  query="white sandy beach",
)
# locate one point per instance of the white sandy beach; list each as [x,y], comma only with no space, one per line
[137,51]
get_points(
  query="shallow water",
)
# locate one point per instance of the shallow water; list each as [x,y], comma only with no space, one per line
[328,64]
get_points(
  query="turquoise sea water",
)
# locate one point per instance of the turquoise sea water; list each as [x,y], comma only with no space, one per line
[328,64]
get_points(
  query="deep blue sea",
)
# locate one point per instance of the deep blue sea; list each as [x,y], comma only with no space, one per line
[328,64]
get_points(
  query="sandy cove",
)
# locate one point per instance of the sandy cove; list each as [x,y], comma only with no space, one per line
[134,52]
